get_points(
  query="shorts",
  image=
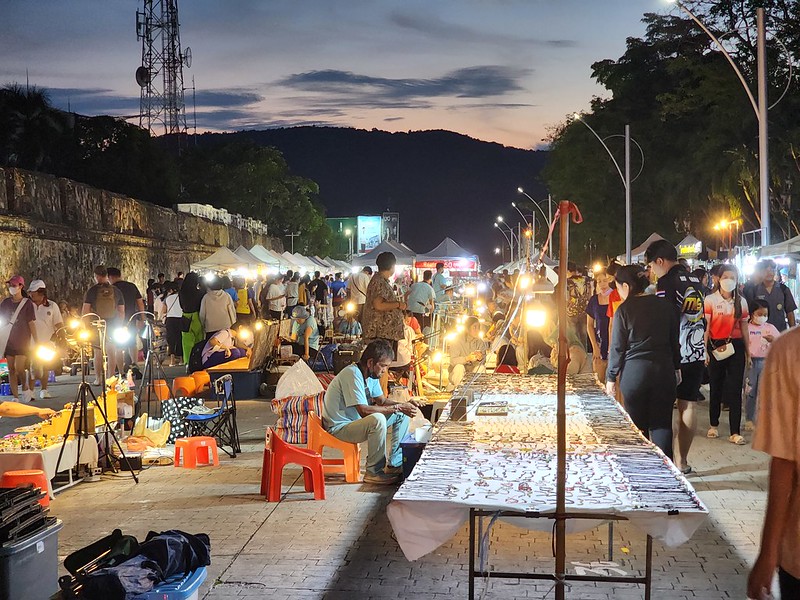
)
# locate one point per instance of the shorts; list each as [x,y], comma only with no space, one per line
[691,379]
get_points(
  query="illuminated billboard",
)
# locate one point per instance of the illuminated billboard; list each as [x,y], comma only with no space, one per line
[369,233]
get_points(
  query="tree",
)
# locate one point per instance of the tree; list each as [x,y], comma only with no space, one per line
[698,131]
[256,182]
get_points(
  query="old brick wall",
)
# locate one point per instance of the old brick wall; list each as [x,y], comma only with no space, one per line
[58,230]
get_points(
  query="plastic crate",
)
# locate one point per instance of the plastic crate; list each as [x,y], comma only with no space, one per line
[177,587]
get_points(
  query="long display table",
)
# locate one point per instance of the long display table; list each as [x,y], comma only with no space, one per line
[506,464]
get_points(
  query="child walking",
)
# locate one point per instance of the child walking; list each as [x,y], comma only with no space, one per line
[762,334]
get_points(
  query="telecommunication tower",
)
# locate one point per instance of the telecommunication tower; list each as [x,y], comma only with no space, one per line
[160,76]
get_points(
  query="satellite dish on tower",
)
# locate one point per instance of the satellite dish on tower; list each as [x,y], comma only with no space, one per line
[143,76]
[187,57]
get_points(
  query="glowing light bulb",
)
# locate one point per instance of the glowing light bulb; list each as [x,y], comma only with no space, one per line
[437,357]
[460,328]
[350,307]
[74,323]
[524,282]
[450,336]
[535,317]
[84,334]
[45,353]
[121,335]
[245,333]
[259,326]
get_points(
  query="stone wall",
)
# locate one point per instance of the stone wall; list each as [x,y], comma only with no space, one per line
[58,230]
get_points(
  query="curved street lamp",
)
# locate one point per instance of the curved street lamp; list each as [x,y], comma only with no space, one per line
[510,243]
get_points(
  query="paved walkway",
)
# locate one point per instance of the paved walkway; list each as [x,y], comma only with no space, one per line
[342,547]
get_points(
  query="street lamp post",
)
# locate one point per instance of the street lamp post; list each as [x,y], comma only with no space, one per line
[510,243]
[760,107]
[548,216]
[349,234]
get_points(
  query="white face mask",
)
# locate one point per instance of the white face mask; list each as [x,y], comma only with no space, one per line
[727,284]
[760,320]
[13,290]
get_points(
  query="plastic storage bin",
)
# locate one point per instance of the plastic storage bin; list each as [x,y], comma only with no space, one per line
[29,566]
[412,450]
[177,587]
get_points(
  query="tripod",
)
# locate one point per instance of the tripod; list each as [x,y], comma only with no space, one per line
[80,406]
[152,370]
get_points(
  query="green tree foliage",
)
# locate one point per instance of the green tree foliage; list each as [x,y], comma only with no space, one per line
[698,131]
[255,181]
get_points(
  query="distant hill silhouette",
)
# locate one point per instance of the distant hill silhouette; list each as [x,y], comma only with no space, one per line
[442,183]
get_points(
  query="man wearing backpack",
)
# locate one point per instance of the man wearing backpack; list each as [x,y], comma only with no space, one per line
[107,302]
[776,294]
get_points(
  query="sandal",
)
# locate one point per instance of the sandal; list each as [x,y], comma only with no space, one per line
[686,470]
[737,439]
[713,433]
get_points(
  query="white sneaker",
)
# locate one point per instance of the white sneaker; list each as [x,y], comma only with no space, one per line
[27,396]
[44,394]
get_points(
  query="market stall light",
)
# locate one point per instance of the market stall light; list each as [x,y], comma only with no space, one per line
[354,270]
[478,302]
[258,326]
[597,267]
[524,282]
[437,357]
[460,328]
[84,335]
[74,323]
[480,309]
[245,334]
[535,317]
[45,353]
[350,307]
[481,334]
[121,335]
[482,287]
[210,276]
[469,291]
[450,336]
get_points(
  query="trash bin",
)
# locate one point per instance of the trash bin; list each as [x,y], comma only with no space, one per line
[29,565]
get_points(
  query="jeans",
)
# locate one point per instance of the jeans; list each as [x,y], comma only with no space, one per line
[726,380]
[753,377]
[373,429]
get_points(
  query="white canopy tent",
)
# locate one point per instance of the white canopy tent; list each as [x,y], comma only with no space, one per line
[223,259]
[454,257]
[250,259]
[405,257]
[268,257]
[790,246]
[637,254]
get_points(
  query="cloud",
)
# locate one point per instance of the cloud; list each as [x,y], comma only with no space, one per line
[223,97]
[470,82]
[436,28]
[389,119]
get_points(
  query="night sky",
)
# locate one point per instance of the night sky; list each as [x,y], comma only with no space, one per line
[497,70]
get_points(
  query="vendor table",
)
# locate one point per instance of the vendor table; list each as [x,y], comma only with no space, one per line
[46,459]
[505,466]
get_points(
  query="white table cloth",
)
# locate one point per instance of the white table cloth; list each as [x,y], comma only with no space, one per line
[509,463]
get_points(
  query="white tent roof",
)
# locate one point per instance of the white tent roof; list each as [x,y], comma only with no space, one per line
[638,252]
[305,262]
[266,256]
[404,257]
[790,246]
[223,259]
[448,249]
[250,259]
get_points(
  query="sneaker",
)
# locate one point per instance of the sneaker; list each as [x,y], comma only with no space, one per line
[381,478]
[686,469]
[44,394]
[27,396]
[749,426]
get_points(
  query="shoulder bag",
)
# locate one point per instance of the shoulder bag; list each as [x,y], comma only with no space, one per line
[5,330]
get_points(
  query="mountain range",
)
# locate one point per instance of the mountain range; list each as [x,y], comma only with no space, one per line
[442,183]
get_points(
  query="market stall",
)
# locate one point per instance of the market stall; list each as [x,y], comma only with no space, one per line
[22,456]
[457,261]
[637,254]
[507,462]
[223,259]
[405,256]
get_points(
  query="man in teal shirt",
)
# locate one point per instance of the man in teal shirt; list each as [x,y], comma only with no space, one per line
[421,299]
[355,410]
[439,282]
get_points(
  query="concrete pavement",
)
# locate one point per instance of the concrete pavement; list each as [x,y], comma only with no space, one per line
[342,547]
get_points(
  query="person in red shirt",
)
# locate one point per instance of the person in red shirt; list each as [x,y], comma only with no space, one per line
[726,337]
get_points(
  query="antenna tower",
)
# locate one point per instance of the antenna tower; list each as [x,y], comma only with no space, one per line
[160,77]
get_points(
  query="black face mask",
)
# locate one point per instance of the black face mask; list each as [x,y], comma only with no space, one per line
[371,375]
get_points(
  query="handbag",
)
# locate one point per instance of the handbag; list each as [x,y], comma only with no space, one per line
[186,324]
[724,351]
[5,330]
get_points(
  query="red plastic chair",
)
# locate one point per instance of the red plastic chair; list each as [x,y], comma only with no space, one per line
[507,369]
[278,454]
[350,463]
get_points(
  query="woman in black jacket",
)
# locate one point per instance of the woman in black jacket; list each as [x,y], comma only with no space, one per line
[645,354]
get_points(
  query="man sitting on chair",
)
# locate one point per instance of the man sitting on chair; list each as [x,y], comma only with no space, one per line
[355,410]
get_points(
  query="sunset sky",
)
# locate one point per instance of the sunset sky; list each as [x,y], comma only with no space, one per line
[497,70]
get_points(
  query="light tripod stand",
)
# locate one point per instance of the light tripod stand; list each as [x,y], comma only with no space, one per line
[81,405]
[152,369]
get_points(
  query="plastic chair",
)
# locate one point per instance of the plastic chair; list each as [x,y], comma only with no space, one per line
[349,465]
[278,454]
[220,424]
[196,450]
[31,476]
[202,381]
[183,387]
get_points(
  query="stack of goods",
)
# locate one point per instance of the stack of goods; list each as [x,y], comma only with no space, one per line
[21,515]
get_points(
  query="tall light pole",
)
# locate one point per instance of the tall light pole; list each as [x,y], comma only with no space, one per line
[548,216]
[510,243]
[349,234]
[760,107]
[499,223]
[625,177]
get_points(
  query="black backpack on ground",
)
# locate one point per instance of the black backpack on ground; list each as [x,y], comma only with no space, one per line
[195,362]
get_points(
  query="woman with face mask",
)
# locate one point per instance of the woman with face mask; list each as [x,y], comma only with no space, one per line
[646,355]
[726,337]
[18,309]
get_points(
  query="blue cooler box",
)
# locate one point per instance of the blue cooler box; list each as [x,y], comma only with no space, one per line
[177,587]
[412,450]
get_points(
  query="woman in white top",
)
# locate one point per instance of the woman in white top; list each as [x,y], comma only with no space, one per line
[217,311]
[48,321]
[173,317]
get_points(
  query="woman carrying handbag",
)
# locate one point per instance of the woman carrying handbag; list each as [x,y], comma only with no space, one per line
[728,354]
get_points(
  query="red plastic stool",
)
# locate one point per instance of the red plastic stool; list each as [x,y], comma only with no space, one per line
[161,389]
[196,450]
[202,381]
[21,478]
[278,454]
[183,387]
